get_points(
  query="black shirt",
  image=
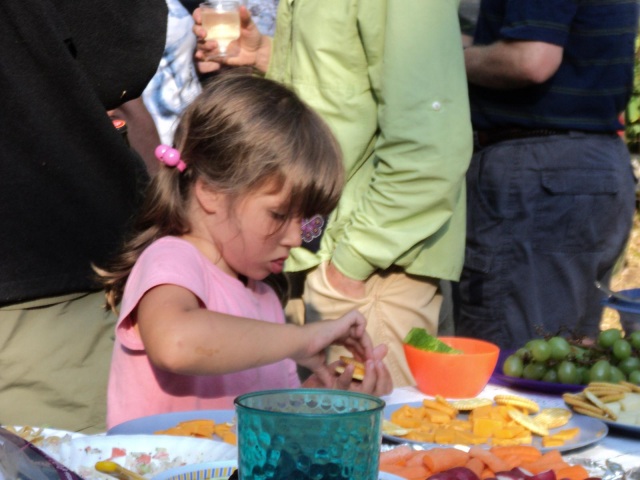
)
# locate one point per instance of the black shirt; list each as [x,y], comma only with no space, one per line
[68,182]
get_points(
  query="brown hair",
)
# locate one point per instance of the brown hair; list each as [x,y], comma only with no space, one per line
[242,132]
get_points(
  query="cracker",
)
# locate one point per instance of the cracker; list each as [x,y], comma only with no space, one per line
[359,371]
[575,402]
[613,397]
[394,430]
[600,404]
[590,413]
[609,386]
[527,422]
[467,404]
[553,417]
[632,386]
[517,401]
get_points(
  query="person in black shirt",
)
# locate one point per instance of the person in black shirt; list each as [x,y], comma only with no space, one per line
[68,186]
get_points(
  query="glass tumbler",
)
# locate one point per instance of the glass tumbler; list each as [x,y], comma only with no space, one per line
[308,434]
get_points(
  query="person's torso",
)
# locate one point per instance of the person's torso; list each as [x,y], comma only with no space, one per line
[593,83]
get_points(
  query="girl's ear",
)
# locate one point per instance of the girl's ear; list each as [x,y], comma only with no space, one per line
[209,199]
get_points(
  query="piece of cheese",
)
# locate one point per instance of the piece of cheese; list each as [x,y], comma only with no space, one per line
[629,418]
[630,402]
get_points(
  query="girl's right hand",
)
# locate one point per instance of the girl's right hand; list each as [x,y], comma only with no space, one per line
[348,331]
[377,379]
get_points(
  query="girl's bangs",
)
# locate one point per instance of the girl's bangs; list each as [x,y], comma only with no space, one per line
[313,192]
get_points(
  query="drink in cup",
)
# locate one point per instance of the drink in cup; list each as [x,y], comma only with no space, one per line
[308,433]
[221,20]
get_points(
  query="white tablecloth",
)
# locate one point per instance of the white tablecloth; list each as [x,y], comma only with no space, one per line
[618,446]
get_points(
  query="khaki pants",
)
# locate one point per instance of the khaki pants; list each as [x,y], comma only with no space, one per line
[394,303]
[54,362]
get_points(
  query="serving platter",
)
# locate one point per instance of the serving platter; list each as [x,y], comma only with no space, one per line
[153,423]
[500,378]
[592,430]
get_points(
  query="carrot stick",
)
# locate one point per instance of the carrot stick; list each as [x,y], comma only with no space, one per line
[573,472]
[397,455]
[475,465]
[487,473]
[416,471]
[441,459]
[527,453]
[512,461]
[416,459]
[544,463]
[392,468]
[491,460]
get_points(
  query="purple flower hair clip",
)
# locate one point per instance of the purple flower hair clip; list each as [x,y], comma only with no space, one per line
[170,157]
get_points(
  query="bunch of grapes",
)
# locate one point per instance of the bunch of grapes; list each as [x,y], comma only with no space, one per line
[611,359]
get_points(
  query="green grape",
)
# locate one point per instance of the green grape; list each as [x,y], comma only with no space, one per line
[583,375]
[634,338]
[629,364]
[616,375]
[560,348]
[607,338]
[600,371]
[522,352]
[568,373]
[551,375]
[534,371]
[540,350]
[634,377]
[579,353]
[621,349]
[513,366]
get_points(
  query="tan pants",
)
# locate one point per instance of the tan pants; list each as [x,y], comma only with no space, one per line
[394,303]
[54,362]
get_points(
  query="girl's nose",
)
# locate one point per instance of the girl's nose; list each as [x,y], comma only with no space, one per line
[293,237]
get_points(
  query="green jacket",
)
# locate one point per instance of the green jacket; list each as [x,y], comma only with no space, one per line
[388,77]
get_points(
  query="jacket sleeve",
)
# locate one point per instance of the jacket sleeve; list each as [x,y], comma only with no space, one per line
[425,140]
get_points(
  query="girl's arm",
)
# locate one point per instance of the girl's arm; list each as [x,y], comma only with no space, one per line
[182,337]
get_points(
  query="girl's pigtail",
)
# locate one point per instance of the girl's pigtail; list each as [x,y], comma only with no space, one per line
[161,214]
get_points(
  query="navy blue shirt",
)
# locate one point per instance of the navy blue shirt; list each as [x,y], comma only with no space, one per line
[592,86]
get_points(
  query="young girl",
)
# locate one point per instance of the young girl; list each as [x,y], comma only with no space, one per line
[197,325]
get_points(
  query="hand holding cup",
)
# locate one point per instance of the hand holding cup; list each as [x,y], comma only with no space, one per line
[221,21]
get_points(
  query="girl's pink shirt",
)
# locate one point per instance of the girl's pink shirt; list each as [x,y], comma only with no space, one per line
[137,388]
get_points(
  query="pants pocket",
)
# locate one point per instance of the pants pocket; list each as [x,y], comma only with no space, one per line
[574,209]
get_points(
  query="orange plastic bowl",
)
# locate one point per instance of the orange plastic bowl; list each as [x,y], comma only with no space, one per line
[453,375]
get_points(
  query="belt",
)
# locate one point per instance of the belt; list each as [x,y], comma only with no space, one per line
[484,138]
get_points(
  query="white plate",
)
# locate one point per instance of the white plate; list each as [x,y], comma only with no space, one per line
[221,471]
[592,430]
[210,471]
[160,451]
[626,427]
[50,435]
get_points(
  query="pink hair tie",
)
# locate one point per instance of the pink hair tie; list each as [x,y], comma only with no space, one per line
[170,157]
